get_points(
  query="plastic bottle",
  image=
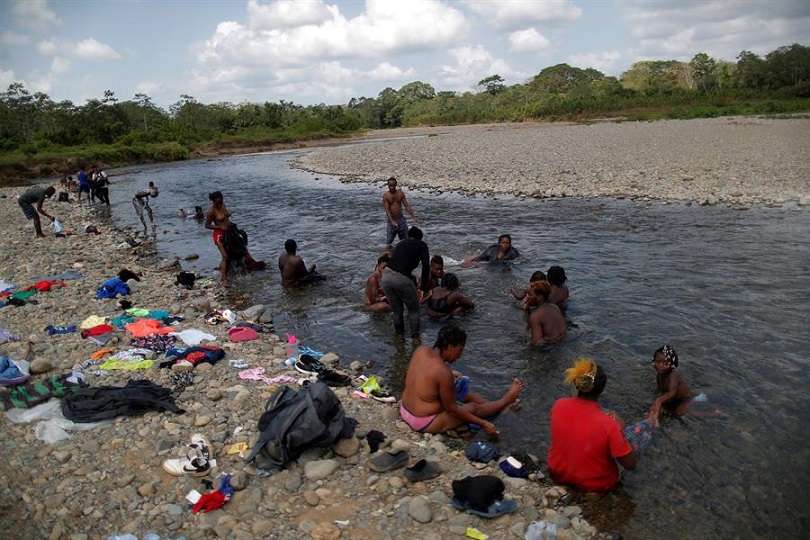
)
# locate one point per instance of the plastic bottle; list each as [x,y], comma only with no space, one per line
[292,349]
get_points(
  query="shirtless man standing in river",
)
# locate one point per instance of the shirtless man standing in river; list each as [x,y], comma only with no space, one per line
[546,322]
[393,201]
[429,401]
[218,219]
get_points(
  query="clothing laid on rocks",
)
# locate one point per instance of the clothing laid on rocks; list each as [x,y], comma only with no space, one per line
[7,337]
[91,321]
[92,404]
[147,327]
[99,330]
[33,393]
[207,352]
[585,441]
[193,336]
[242,333]
[158,344]
[60,330]
[479,492]
[10,372]
[120,321]
[112,288]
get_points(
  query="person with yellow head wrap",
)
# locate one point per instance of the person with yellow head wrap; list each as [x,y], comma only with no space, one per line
[586,441]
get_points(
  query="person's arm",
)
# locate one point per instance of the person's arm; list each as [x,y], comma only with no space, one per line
[372,293]
[672,391]
[519,296]
[628,461]
[209,220]
[425,259]
[461,301]
[537,328]
[41,210]
[300,268]
[447,395]
[620,449]
[408,208]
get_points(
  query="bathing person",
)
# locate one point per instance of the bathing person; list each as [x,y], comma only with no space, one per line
[141,202]
[36,195]
[218,219]
[393,201]
[447,300]
[502,251]
[559,290]
[375,299]
[546,322]
[84,185]
[199,215]
[103,187]
[436,272]
[586,441]
[292,267]
[521,294]
[399,284]
[675,394]
[429,401]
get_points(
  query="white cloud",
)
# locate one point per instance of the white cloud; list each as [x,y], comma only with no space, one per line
[681,28]
[604,61]
[288,13]
[12,38]
[472,63]
[148,87]
[60,64]
[91,49]
[516,13]
[34,14]
[47,47]
[6,78]
[528,40]
[388,72]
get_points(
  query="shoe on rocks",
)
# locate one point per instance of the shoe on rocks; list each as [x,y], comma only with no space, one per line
[387,461]
[200,443]
[334,378]
[191,465]
[309,365]
[422,470]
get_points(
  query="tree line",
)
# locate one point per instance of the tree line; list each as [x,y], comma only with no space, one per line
[34,123]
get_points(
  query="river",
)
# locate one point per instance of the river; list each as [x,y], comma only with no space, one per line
[729,289]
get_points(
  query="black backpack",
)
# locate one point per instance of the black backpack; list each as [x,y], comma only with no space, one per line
[235,242]
[295,421]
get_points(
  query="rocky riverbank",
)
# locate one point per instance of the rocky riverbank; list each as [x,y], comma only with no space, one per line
[109,480]
[737,161]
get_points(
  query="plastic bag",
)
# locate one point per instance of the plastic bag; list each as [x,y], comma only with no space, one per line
[53,426]
[541,530]
[56,226]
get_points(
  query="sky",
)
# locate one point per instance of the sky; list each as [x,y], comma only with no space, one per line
[314,51]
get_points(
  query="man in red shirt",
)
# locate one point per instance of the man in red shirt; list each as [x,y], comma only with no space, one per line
[586,441]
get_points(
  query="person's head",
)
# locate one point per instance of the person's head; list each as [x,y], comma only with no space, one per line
[538,292]
[392,184]
[450,282]
[153,190]
[556,276]
[538,276]
[437,266]
[415,233]
[290,246]
[587,378]
[504,242]
[216,198]
[50,192]
[665,359]
[450,342]
[382,261]
[198,210]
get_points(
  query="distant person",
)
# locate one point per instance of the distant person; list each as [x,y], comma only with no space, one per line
[36,195]
[520,294]
[293,269]
[103,187]
[199,215]
[436,272]
[141,202]
[546,322]
[72,185]
[675,395]
[400,285]
[93,177]
[393,201]
[218,220]
[375,299]
[446,299]
[586,441]
[84,185]
[429,400]
[502,251]
[559,290]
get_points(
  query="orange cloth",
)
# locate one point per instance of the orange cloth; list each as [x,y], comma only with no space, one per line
[101,353]
[148,327]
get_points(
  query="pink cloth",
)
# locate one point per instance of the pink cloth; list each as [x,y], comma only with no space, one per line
[242,333]
[258,374]
[416,423]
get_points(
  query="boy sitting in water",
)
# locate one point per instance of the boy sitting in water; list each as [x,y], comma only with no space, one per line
[675,395]
[523,294]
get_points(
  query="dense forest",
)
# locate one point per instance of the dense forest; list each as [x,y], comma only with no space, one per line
[42,136]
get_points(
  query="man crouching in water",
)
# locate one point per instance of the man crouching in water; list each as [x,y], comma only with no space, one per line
[546,322]
[429,401]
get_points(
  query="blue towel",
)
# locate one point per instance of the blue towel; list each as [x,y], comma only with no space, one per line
[112,288]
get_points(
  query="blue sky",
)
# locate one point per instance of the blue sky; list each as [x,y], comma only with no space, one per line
[313,51]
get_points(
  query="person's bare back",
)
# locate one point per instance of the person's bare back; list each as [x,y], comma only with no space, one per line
[292,269]
[547,324]
[427,372]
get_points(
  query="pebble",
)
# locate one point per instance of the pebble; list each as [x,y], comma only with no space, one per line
[419,509]
[320,469]
[312,498]
[40,365]
[201,421]
[147,489]
[293,481]
[347,447]
[239,480]
[325,531]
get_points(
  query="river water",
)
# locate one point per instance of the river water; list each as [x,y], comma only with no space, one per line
[729,289]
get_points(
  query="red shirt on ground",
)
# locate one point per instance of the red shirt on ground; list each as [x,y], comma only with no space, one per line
[584,443]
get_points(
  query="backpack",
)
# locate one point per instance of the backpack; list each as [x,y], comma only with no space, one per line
[235,242]
[296,420]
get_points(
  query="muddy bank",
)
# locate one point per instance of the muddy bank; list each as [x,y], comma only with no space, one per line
[739,161]
[109,479]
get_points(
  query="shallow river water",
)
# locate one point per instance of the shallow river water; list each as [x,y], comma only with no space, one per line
[729,289]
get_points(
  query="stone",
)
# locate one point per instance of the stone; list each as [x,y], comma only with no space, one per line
[202,305]
[202,420]
[147,489]
[325,531]
[419,509]
[330,359]
[347,447]
[40,365]
[356,366]
[518,530]
[174,509]
[400,444]
[239,480]
[262,528]
[253,313]
[320,469]
[312,498]
[293,481]
[62,457]
[214,395]
[202,367]
[396,482]
[163,446]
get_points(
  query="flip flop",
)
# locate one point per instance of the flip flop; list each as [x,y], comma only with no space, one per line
[422,470]
[496,509]
[387,461]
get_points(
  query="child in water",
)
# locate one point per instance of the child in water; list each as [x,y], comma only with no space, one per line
[523,294]
[675,394]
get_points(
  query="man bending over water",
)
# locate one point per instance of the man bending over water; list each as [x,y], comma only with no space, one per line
[546,323]
[393,201]
[292,267]
[429,401]
[141,202]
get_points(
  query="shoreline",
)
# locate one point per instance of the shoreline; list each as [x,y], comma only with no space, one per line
[737,161]
[109,480]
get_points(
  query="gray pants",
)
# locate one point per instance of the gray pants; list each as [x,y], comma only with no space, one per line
[401,292]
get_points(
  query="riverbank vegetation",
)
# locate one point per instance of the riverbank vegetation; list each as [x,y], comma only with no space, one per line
[40,136]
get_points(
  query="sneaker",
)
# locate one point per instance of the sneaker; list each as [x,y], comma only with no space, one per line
[382,395]
[199,442]
[334,378]
[189,465]
[309,365]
